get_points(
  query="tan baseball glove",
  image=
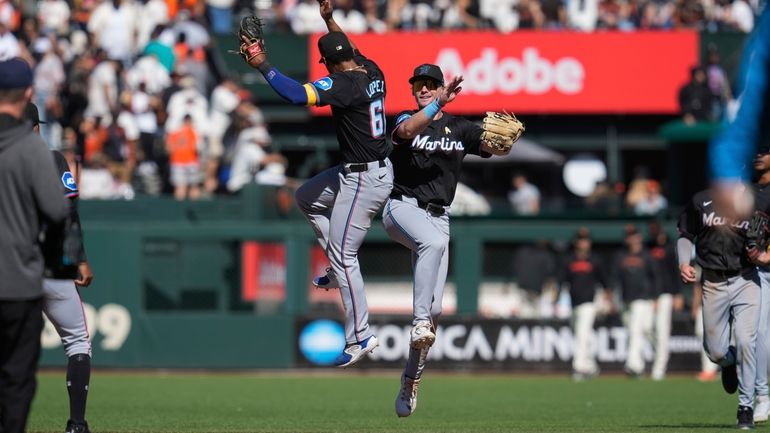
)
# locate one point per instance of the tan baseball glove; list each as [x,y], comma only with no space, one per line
[501,130]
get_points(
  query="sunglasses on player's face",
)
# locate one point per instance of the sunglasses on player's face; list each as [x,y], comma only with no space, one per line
[419,84]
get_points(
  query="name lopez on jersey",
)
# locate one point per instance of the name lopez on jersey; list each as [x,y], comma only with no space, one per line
[446,145]
[375,86]
[713,220]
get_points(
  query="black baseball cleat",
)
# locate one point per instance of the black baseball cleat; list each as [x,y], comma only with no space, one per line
[745,418]
[730,376]
[73,427]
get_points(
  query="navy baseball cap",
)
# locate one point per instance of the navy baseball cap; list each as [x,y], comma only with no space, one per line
[427,70]
[335,47]
[15,74]
[763,149]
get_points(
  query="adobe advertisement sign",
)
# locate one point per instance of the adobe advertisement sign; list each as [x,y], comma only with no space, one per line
[523,345]
[537,72]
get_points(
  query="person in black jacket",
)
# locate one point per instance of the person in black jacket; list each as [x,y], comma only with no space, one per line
[583,272]
[696,98]
[635,275]
[29,187]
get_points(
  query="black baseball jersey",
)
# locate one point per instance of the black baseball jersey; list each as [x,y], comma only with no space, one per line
[762,203]
[63,245]
[584,275]
[357,100]
[428,167]
[719,243]
[666,264]
[635,273]
[762,197]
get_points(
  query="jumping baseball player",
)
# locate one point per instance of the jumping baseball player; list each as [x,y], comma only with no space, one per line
[429,149]
[341,201]
[730,289]
[66,269]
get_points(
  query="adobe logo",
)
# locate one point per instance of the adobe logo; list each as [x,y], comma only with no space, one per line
[532,74]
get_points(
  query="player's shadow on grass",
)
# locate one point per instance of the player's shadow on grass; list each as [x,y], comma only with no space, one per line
[684,426]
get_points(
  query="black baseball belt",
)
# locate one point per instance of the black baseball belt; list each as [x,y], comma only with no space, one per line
[718,276]
[357,167]
[433,208]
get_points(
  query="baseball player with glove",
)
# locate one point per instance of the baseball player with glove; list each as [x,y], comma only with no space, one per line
[341,201]
[429,149]
[66,269]
[730,291]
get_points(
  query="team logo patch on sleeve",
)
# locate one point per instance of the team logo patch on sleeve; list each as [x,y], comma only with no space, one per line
[324,83]
[69,181]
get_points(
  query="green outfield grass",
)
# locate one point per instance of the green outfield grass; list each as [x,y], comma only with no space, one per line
[352,402]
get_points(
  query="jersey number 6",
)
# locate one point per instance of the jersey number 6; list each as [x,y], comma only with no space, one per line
[377,118]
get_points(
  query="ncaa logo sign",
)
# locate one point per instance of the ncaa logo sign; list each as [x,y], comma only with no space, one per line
[324,83]
[321,341]
[69,181]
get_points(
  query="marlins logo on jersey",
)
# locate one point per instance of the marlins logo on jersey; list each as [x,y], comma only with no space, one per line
[444,144]
[324,83]
[70,186]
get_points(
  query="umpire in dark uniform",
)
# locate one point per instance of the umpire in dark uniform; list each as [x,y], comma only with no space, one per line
[29,188]
[730,290]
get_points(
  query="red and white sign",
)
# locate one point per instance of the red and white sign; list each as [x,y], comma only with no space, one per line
[536,72]
[263,273]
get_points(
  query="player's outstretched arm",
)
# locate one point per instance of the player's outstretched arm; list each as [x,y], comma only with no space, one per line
[408,127]
[326,9]
[288,88]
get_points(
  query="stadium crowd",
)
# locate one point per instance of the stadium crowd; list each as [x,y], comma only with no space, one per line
[133,88]
[130,89]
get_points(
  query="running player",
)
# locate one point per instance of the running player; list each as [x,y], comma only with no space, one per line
[341,201]
[730,289]
[429,149]
[762,192]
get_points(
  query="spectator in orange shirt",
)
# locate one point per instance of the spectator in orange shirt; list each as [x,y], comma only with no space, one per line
[182,147]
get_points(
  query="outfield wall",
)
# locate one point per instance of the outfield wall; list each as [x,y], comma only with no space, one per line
[225,284]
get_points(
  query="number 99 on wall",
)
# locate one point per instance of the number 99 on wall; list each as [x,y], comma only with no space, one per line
[111,321]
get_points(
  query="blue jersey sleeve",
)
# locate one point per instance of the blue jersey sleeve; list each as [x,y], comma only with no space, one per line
[734,146]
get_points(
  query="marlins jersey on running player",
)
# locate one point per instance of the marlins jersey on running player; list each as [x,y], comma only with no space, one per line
[428,168]
[718,241]
[357,98]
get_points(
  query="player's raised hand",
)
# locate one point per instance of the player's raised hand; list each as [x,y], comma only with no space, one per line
[450,91]
[252,52]
[326,9]
[687,273]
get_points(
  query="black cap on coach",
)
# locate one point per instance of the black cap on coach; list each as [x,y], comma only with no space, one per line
[31,114]
[335,47]
[428,71]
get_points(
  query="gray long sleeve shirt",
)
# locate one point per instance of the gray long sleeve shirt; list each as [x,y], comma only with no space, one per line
[29,192]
